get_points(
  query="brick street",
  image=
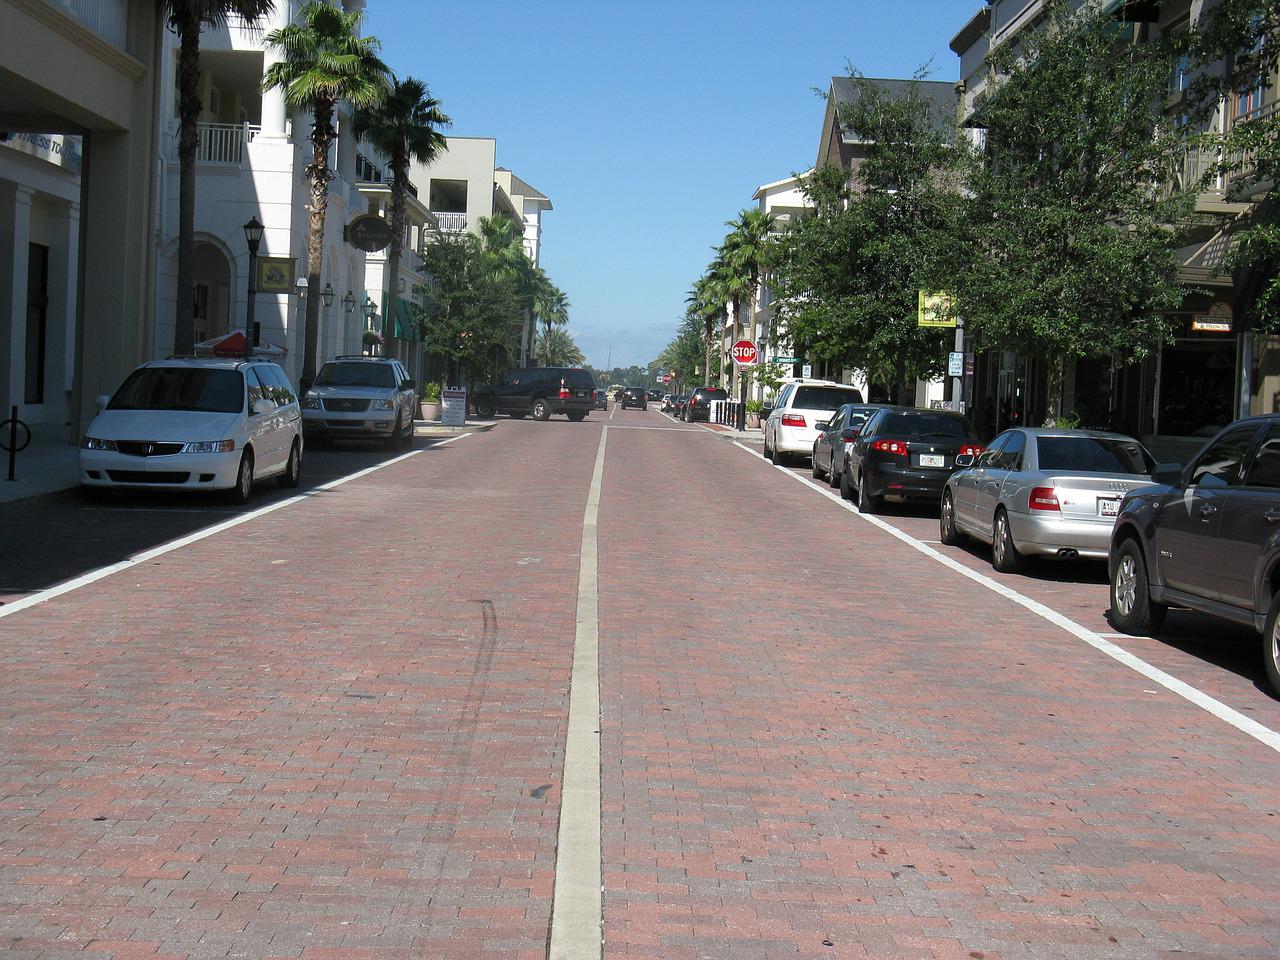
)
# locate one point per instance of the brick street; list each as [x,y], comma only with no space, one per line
[338,730]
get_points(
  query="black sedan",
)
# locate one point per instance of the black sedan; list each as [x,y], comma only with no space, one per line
[837,437]
[903,454]
[635,397]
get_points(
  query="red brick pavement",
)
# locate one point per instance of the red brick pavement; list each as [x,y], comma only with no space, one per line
[817,742]
[333,732]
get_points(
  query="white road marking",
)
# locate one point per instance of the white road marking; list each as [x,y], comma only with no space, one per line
[614,410]
[577,902]
[1217,708]
[93,576]
[629,426]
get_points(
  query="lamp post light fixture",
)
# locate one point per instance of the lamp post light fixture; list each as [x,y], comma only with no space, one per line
[349,301]
[327,295]
[370,312]
[252,237]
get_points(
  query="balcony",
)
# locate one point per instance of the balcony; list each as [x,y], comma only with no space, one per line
[109,19]
[450,222]
[220,145]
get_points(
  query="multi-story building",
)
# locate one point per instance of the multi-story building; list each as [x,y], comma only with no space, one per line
[79,89]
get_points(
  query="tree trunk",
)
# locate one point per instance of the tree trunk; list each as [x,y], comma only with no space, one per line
[706,371]
[184,320]
[318,174]
[399,177]
[547,321]
[751,306]
[1053,382]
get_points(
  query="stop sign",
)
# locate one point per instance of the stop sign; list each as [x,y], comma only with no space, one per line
[744,353]
[666,378]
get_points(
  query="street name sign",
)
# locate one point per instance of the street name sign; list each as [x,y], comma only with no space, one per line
[744,353]
[784,359]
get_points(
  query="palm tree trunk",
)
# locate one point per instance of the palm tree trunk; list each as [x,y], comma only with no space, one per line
[707,369]
[399,176]
[318,174]
[188,140]
[548,341]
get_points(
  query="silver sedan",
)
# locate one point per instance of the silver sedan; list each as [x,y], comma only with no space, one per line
[1044,492]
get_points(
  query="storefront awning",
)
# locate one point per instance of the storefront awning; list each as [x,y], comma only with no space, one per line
[405,327]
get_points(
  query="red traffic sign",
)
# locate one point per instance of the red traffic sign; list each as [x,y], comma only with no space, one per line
[744,353]
[666,378]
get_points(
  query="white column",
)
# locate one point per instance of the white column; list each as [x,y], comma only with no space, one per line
[15,240]
[60,354]
[273,109]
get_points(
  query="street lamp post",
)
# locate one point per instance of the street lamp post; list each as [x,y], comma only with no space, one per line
[253,237]
[370,311]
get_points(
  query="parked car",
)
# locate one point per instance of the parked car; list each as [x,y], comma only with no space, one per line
[903,453]
[539,392]
[361,398]
[601,399]
[655,395]
[195,425]
[801,408]
[678,405]
[1206,537]
[635,397]
[836,437]
[1043,492]
[666,402]
[698,406]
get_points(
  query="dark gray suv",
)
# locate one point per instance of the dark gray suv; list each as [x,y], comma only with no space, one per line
[1207,537]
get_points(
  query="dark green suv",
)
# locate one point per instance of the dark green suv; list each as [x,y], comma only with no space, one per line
[539,392]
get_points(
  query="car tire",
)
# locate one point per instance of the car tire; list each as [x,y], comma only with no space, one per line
[540,409]
[396,439]
[1132,610]
[485,408]
[846,488]
[292,467]
[813,458]
[1271,645]
[948,533]
[95,494]
[1004,552]
[833,478]
[866,502]
[577,417]
[243,489]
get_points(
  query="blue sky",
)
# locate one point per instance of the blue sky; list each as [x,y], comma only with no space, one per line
[650,124]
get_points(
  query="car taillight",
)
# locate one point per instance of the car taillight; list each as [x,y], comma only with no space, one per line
[897,448]
[973,449]
[564,391]
[595,395]
[1043,498]
[792,420]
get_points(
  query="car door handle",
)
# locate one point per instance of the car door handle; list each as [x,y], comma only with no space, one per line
[1207,510]
[1272,516]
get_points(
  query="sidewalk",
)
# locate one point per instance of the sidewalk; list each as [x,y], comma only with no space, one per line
[42,472]
[750,435]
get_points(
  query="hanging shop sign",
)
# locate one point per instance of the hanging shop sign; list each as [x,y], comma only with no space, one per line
[368,232]
[275,274]
[936,310]
[1217,320]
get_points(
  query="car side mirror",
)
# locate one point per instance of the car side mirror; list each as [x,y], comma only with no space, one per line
[965,460]
[263,406]
[103,400]
[850,433]
[767,409]
[1168,474]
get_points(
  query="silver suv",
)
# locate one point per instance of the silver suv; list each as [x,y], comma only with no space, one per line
[361,398]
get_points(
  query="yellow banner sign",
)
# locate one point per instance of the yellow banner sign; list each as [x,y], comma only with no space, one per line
[936,310]
[275,274]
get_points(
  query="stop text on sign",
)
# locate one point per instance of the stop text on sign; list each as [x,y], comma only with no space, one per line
[744,353]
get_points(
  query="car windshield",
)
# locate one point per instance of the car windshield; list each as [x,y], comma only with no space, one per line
[823,398]
[356,375]
[714,393]
[1093,455]
[181,388]
[924,425]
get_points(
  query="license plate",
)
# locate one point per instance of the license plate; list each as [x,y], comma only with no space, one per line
[932,460]
[1108,506]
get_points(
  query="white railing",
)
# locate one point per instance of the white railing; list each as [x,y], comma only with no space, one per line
[222,144]
[450,222]
[109,19]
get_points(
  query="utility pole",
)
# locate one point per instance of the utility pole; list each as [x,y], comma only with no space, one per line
[957,383]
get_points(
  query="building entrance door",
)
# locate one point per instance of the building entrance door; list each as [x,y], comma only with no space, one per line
[1197,387]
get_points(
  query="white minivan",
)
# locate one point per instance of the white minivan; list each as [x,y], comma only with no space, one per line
[802,408]
[186,424]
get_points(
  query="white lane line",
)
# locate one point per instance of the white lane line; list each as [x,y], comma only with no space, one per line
[628,426]
[1171,683]
[614,410]
[577,902]
[93,576]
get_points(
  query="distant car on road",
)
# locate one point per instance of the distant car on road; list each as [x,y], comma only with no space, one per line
[1206,537]
[905,454]
[361,398]
[194,425]
[539,392]
[1043,492]
[678,404]
[601,399]
[655,395]
[698,406]
[635,397]
[802,406]
[666,402]
[836,437]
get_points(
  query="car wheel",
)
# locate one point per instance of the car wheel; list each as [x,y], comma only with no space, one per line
[833,478]
[293,467]
[95,494]
[1271,645]
[1132,610]
[866,502]
[846,488]
[948,533]
[768,452]
[541,410]
[396,439]
[577,417]
[485,408]
[1004,552]
[243,489]
[817,473]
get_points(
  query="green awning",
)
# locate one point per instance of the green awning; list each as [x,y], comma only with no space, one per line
[405,327]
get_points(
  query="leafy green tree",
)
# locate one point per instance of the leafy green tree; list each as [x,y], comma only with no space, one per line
[685,353]
[404,126]
[323,59]
[1072,253]
[558,349]
[551,306]
[188,18]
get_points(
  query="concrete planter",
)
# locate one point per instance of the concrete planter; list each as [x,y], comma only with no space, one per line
[753,421]
[429,411]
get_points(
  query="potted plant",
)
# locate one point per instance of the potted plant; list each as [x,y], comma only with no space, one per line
[431,402]
[371,340]
[754,407]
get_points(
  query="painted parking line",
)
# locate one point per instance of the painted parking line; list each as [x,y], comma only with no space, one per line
[577,920]
[1211,705]
[93,576]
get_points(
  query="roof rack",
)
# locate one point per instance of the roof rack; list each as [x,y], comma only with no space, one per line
[360,356]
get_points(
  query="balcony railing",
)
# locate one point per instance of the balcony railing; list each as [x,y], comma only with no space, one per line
[109,19]
[220,144]
[450,222]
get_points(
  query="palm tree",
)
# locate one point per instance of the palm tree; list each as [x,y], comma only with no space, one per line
[323,59]
[707,302]
[504,248]
[188,18]
[558,349]
[404,127]
[552,306]
[746,248]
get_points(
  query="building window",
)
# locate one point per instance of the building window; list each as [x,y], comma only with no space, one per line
[201,312]
[37,322]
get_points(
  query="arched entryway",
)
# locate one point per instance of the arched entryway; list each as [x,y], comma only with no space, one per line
[213,291]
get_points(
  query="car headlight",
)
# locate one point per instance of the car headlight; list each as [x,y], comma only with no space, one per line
[209,446]
[93,443]
[310,403]
[383,405]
